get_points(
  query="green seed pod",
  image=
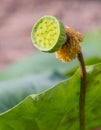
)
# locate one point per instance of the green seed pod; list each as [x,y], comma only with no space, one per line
[48,34]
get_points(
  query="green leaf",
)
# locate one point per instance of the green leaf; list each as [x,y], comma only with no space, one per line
[58,107]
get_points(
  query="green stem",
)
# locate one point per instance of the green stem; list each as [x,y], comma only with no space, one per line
[82,91]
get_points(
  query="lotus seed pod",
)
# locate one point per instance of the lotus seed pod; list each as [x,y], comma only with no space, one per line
[48,34]
[71,48]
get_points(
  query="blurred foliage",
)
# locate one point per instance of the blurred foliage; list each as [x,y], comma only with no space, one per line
[54,108]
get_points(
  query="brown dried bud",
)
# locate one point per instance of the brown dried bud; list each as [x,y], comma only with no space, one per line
[71,48]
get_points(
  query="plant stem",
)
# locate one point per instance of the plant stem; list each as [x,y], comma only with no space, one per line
[82,91]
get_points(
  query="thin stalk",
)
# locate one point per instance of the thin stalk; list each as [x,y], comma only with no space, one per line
[82,91]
